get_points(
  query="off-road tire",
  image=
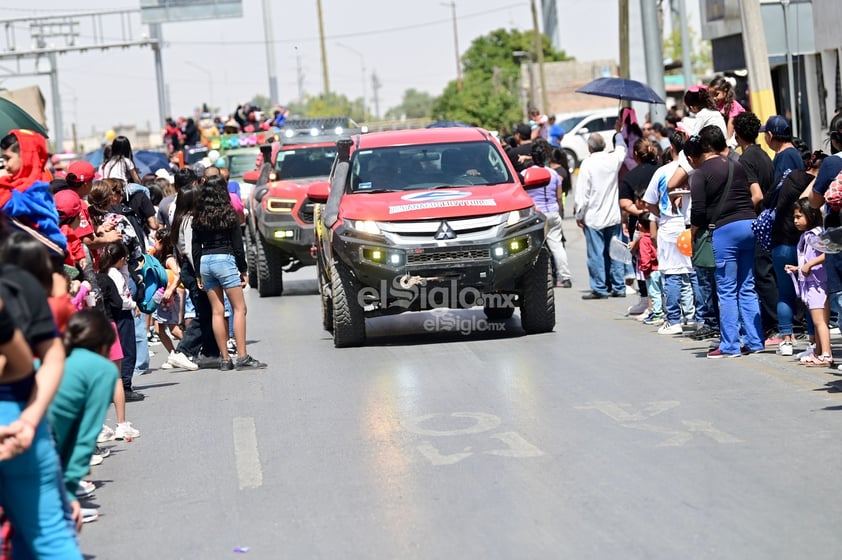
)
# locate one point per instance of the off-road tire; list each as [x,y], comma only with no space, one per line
[270,276]
[251,258]
[498,313]
[537,300]
[348,316]
[324,294]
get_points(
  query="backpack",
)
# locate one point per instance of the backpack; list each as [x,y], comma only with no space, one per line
[152,277]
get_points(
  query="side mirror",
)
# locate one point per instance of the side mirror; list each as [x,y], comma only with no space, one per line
[536,177]
[319,191]
[584,130]
[251,177]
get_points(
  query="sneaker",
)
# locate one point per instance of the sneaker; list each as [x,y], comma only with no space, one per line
[226,365]
[807,352]
[773,341]
[667,328]
[566,283]
[89,515]
[133,396]
[785,348]
[690,326]
[232,346]
[96,460]
[247,362]
[179,360]
[102,451]
[640,307]
[86,489]
[126,431]
[207,362]
[655,319]
[106,434]
[167,365]
[705,333]
[645,316]
[834,330]
[717,353]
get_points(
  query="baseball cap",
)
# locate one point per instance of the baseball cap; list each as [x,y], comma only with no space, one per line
[164,174]
[80,172]
[778,126]
[68,204]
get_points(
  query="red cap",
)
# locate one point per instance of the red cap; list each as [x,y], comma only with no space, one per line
[68,204]
[80,172]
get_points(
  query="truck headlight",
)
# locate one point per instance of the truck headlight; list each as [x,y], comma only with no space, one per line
[517,216]
[366,226]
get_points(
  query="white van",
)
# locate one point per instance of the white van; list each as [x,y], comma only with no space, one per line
[577,127]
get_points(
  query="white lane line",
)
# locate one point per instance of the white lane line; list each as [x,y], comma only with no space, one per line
[249,471]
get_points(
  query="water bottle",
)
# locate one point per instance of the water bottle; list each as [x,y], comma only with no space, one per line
[159,295]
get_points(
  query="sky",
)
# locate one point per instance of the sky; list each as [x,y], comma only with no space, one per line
[407,43]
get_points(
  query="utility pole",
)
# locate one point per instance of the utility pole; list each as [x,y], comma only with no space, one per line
[156,35]
[375,87]
[790,72]
[299,74]
[452,5]
[269,38]
[539,53]
[624,39]
[325,79]
[761,96]
[652,39]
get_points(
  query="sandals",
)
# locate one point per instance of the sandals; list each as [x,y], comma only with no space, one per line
[825,360]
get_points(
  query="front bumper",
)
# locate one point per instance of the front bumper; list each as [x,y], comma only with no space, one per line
[452,273]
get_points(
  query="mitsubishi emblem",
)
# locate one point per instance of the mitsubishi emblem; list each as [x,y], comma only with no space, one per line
[445,232]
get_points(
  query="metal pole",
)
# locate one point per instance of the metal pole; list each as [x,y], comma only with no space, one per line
[790,73]
[654,59]
[452,5]
[270,51]
[686,48]
[539,53]
[325,78]
[156,34]
[58,133]
[624,39]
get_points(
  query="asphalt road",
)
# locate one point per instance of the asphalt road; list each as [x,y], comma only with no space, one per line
[600,440]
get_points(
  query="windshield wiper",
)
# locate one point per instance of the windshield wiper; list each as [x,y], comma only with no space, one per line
[375,191]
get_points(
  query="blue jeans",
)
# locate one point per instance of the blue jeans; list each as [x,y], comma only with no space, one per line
[141,345]
[707,308]
[739,311]
[655,289]
[32,494]
[680,298]
[783,255]
[606,274]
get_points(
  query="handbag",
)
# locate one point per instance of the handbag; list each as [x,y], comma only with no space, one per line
[703,242]
[762,224]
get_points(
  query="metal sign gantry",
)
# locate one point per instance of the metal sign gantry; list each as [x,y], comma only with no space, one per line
[49,36]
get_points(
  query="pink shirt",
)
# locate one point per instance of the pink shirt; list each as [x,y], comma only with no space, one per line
[736,109]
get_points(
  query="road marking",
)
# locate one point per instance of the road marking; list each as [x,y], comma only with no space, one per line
[437,459]
[246,455]
[518,447]
[618,412]
[676,439]
[484,423]
[707,429]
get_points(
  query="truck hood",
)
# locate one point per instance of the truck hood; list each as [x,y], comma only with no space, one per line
[454,202]
[292,189]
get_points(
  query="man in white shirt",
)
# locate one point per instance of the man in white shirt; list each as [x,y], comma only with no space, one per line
[598,214]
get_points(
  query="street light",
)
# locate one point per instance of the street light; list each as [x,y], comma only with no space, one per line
[362,67]
[210,80]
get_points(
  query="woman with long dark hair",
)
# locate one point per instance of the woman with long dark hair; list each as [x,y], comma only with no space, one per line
[221,265]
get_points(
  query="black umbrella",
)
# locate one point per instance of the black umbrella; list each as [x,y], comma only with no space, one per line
[622,89]
[12,117]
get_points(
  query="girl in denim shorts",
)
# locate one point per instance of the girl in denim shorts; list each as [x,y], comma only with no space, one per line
[221,267]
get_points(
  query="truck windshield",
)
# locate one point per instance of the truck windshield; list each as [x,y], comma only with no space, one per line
[303,163]
[427,166]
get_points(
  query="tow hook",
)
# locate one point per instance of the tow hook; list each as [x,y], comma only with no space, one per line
[408,281]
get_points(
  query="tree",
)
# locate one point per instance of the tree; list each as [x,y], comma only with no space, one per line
[489,95]
[262,101]
[415,105]
[700,57]
[330,105]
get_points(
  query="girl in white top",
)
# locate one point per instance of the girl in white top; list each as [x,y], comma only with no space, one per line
[120,163]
